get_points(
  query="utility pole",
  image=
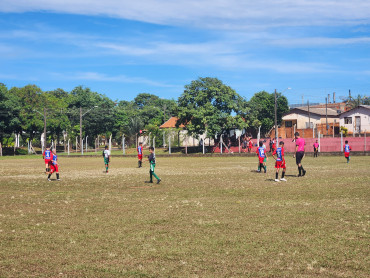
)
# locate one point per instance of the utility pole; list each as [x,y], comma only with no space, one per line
[81,130]
[309,118]
[326,112]
[276,127]
[44,129]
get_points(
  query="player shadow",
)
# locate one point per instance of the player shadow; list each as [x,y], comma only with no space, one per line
[294,176]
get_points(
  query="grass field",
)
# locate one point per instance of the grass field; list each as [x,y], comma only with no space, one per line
[209,217]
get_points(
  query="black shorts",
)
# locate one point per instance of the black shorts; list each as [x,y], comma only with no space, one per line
[298,157]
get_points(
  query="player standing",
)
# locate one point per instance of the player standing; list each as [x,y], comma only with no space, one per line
[273,145]
[140,154]
[347,149]
[250,145]
[315,148]
[151,159]
[47,157]
[106,155]
[54,166]
[261,153]
[299,153]
[280,161]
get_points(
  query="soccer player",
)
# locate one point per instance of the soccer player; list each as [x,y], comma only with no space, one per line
[261,153]
[47,157]
[280,161]
[347,149]
[151,159]
[273,145]
[264,160]
[140,154]
[106,155]
[315,148]
[299,154]
[250,145]
[54,166]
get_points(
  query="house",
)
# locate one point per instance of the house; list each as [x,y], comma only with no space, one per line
[183,138]
[356,120]
[309,122]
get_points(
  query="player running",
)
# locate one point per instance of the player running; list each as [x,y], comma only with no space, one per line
[47,157]
[262,157]
[106,155]
[54,166]
[347,149]
[140,154]
[280,162]
[151,159]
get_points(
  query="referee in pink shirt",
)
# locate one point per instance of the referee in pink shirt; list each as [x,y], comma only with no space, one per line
[299,153]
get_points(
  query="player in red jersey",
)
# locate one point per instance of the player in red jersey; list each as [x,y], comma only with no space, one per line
[280,161]
[140,154]
[347,149]
[47,156]
[261,153]
[250,145]
[54,166]
[273,147]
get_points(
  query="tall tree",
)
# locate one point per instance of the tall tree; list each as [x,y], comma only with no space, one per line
[262,111]
[208,105]
[31,100]
[9,113]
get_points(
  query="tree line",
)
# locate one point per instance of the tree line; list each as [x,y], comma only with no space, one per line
[206,105]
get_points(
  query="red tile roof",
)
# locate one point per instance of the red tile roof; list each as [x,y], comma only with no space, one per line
[171,123]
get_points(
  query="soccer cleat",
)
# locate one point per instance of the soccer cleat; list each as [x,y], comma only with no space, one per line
[283,179]
[304,173]
[277,180]
[58,179]
[158,181]
[49,179]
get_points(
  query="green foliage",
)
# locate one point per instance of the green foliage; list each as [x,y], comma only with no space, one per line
[207,105]
[262,110]
[344,130]
[9,113]
[359,100]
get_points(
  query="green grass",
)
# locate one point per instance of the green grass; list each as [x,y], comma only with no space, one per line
[209,217]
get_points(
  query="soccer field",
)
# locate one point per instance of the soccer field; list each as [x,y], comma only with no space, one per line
[209,217]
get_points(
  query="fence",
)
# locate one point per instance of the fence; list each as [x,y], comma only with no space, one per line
[358,144]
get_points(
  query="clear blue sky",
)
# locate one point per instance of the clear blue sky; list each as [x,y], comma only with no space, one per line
[123,48]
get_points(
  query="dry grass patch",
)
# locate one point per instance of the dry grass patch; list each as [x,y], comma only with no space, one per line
[210,217]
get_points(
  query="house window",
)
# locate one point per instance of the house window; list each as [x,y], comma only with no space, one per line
[288,123]
[347,120]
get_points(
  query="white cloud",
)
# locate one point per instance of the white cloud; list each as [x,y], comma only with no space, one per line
[218,14]
[101,77]
[317,41]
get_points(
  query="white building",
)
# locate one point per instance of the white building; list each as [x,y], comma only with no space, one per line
[356,120]
[305,117]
